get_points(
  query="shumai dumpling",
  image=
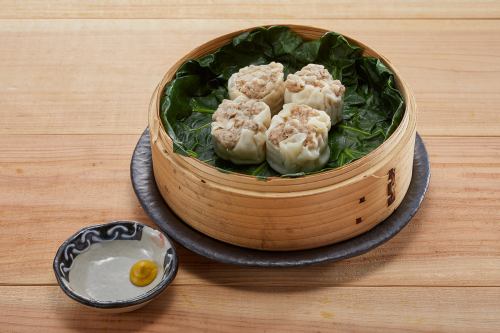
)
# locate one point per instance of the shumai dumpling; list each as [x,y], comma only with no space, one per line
[239,130]
[297,139]
[313,85]
[264,83]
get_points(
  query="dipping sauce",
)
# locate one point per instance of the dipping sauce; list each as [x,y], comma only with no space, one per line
[143,272]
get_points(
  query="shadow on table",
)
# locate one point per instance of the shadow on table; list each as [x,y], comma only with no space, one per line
[197,270]
[199,277]
[197,273]
[76,317]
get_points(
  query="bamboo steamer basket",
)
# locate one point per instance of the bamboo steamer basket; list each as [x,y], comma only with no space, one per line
[282,214]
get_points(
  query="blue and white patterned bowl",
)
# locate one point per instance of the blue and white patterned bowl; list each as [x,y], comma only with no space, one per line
[92,266]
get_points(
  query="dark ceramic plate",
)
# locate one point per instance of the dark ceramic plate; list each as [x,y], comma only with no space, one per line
[144,184]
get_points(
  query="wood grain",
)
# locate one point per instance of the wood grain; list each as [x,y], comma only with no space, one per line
[75,82]
[97,76]
[263,309]
[223,9]
[52,185]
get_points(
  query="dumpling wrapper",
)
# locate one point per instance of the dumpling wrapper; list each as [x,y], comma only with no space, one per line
[313,85]
[264,83]
[297,139]
[239,130]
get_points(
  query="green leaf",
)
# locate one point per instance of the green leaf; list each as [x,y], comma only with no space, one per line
[210,102]
[282,40]
[373,107]
[307,52]
[339,57]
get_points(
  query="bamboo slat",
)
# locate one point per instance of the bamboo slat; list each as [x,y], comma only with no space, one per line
[245,211]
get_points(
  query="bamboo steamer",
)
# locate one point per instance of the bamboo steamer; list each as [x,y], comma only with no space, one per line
[285,213]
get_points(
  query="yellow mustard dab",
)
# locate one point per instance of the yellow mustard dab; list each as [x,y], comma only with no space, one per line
[143,272]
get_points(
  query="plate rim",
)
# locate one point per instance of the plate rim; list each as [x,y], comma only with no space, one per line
[145,188]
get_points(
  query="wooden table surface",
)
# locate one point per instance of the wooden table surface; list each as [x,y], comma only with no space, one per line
[75,82]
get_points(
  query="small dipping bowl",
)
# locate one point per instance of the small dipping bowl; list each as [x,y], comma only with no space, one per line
[93,266]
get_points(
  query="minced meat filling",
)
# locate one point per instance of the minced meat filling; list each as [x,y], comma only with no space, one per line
[259,81]
[233,116]
[297,123]
[313,75]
